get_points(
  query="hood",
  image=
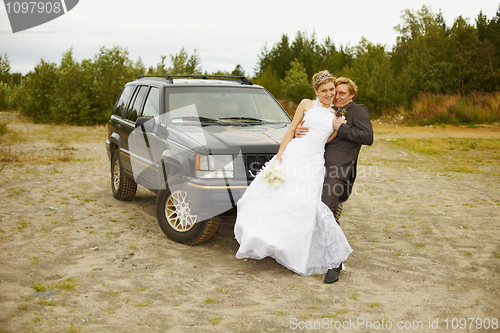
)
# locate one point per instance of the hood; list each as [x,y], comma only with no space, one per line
[230,139]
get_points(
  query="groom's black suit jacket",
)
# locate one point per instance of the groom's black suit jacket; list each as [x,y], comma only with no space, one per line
[341,154]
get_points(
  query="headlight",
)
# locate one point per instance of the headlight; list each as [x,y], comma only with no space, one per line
[214,166]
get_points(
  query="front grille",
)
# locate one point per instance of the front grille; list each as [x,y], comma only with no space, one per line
[253,163]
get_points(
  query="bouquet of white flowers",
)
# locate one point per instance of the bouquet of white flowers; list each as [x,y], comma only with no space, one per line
[274,175]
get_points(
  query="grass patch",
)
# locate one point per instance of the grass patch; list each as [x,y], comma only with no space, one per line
[38,286]
[215,321]
[437,109]
[328,315]
[210,301]
[373,305]
[73,329]
[143,304]
[448,154]
[353,296]
[66,285]
[23,307]
[439,145]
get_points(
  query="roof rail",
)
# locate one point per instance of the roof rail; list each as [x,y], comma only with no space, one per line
[170,78]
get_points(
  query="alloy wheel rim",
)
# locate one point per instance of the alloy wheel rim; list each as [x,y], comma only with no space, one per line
[116,175]
[178,212]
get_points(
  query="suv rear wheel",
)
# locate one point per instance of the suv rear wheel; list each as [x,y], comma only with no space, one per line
[175,218]
[123,187]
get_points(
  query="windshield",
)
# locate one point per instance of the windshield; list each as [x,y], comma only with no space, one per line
[224,105]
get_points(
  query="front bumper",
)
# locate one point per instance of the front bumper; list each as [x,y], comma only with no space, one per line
[208,198]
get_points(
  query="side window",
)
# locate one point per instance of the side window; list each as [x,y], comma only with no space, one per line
[152,106]
[121,104]
[136,108]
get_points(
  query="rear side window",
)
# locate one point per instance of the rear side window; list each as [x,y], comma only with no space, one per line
[121,104]
[152,106]
[136,107]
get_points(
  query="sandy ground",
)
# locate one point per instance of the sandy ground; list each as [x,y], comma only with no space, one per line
[426,250]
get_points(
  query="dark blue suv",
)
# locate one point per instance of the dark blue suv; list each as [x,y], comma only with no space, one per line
[195,140]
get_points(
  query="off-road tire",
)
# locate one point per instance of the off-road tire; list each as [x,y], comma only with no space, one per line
[198,232]
[122,186]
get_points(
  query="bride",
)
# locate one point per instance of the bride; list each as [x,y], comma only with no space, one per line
[289,222]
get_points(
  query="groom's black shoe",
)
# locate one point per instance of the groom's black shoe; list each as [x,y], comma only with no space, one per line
[333,275]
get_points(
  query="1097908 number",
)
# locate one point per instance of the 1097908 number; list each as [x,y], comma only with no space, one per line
[471,323]
[33,7]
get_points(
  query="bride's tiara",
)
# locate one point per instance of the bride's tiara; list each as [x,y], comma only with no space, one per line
[324,76]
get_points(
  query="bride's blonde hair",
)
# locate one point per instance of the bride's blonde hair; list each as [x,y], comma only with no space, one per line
[322,78]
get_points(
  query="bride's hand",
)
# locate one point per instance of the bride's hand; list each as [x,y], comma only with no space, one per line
[278,158]
[337,121]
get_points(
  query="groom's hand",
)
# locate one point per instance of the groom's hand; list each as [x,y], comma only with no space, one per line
[300,131]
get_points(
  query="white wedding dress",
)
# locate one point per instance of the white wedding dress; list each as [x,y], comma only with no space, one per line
[290,223]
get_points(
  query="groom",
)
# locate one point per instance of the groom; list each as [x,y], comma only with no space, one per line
[341,154]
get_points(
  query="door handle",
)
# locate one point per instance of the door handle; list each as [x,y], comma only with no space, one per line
[121,126]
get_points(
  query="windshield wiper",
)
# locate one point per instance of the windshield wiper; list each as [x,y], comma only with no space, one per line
[245,118]
[197,119]
[194,118]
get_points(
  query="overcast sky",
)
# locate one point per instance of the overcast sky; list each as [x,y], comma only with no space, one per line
[225,33]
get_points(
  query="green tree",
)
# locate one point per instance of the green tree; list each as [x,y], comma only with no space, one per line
[270,81]
[488,32]
[182,63]
[238,71]
[139,68]
[335,61]
[371,70]
[296,85]
[73,102]
[39,92]
[464,42]
[112,69]
[6,102]
[421,57]
[161,67]
[308,52]
[279,58]
[5,69]
[5,83]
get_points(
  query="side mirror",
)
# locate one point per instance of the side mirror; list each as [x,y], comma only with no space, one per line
[145,124]
[162,131]
[149,125]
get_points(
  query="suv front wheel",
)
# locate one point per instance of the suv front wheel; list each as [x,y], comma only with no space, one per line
[123,187]
[175,217]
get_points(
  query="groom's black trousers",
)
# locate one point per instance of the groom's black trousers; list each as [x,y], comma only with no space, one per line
[333,188]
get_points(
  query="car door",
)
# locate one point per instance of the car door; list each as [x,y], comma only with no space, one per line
[119,123]
[128,125]
[148,142]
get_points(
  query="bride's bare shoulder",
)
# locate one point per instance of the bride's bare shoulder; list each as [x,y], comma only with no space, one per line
[306,104]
